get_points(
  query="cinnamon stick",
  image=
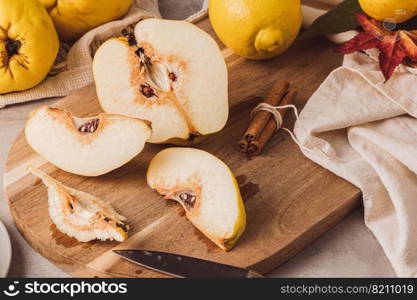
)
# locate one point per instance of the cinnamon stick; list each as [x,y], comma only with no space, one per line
[243,145]
[256,146]
[262,117]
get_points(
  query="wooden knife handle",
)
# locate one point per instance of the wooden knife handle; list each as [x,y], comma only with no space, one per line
[253,274]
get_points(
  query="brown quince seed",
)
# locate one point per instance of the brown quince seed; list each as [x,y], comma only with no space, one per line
[131,40]
[143,57]
[188,199]
[89,127]
[140,51]
[172,76]
[193,136]
[122,226]
[147,91]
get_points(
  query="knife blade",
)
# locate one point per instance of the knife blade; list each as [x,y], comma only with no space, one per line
[183,266]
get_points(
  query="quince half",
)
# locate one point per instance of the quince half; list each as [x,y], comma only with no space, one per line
[28,44]
[171,73]
[73,18]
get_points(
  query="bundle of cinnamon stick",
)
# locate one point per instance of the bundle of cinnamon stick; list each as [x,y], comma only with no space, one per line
[264,124]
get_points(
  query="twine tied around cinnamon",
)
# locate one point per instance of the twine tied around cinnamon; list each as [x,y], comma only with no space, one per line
[268,117]
[274,110]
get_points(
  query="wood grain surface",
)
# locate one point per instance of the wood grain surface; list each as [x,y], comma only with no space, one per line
[289,200]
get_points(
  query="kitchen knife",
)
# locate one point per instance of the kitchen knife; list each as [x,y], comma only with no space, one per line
[183,266]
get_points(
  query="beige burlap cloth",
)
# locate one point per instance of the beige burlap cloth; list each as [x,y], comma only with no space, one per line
[73,67]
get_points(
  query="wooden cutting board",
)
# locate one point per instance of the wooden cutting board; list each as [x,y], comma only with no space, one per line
[290,201]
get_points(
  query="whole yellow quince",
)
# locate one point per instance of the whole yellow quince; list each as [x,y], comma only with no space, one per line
[73,18]
[256,29]
[28,44]
[388,10]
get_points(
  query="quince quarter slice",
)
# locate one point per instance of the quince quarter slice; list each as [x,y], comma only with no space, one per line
[205,187]
[81,215]
[168,72]
[89,146]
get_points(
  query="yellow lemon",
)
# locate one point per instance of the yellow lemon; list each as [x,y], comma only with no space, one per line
[390,10]
[73,18]
[28,44]
[256,29]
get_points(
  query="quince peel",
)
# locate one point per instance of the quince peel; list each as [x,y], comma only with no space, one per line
[394,46]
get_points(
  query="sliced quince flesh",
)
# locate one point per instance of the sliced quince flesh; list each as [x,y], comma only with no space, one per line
[86,146]
[205,187]
[168,72]
[81,215]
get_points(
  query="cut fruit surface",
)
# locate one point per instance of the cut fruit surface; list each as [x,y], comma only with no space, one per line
[168,72]
[89,146]
[81,215]
[205,187]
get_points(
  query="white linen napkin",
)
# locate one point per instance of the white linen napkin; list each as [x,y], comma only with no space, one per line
[365,131]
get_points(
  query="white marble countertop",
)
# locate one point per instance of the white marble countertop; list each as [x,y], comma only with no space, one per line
[348,250]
